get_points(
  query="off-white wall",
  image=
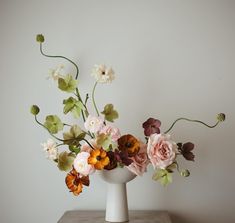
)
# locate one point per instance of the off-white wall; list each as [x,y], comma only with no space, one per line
[172,58]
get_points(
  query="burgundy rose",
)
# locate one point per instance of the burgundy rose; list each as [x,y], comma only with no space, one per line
[151,126]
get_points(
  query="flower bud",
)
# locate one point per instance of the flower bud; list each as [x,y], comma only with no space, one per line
[185,173]
[40,38]
[221,117]
[34,109]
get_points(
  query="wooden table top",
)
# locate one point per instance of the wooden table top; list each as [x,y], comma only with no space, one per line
[99,217]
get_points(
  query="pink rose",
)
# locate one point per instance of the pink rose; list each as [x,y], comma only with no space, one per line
[81,164]
[112,131]
[140,161]
[161,150]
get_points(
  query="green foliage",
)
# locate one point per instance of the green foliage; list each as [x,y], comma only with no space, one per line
[68,83]
[171,167]
[40,38]
[109,113]
[74,106]
[53,124]
[74,136]
[74,149]
[34,109]
[65,161]
[163,176]
[104,141]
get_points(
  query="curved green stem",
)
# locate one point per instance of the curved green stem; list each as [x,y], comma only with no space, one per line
[93,98]
[48,130]
[61,144]
[88,143]
[52,56]
[191,120]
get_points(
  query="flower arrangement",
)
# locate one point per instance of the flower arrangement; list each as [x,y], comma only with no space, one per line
[99,145]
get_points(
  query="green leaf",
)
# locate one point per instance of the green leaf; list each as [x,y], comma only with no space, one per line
[163,176]
[68,83]
[171,167]
[53,124]
[65,161]
[74,106]
[69,104]
[78,107]
[104,141]
[74,149]
[74,136]
[109,113]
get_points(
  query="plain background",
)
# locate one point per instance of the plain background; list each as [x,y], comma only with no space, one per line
[171,58]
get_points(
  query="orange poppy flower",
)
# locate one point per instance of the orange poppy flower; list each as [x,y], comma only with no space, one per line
[98,158]
[75,183]
[129,144]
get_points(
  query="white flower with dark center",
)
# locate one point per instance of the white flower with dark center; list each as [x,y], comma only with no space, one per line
[102,74]
[50,149]
[56,73]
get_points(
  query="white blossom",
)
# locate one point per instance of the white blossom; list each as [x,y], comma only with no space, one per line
[50,149]
[102,74]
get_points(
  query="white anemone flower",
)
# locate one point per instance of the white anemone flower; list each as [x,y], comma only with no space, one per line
[50,149]
[102,74]
[55,74]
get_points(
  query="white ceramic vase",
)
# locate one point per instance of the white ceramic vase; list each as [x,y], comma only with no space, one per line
[116,201]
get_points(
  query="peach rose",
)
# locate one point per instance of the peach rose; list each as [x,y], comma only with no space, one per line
[140,161]
[161,150]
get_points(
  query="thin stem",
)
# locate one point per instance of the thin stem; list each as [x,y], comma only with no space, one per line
[52,56]
[87,97]
[66,124]
[190,120]
[80,99]
[93,98]
[47,130]
[61,144]
[88,143]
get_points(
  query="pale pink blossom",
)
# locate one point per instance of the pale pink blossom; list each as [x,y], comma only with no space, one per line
[94,124]
[112,131]
[161,150]
[140,161]
[81,164]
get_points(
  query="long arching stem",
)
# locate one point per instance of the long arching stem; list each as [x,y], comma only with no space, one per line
[62,57]
[48,130]
[190,120]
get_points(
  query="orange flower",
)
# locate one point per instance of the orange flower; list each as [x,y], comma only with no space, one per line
[129,144]
[75,183]
[98,158]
